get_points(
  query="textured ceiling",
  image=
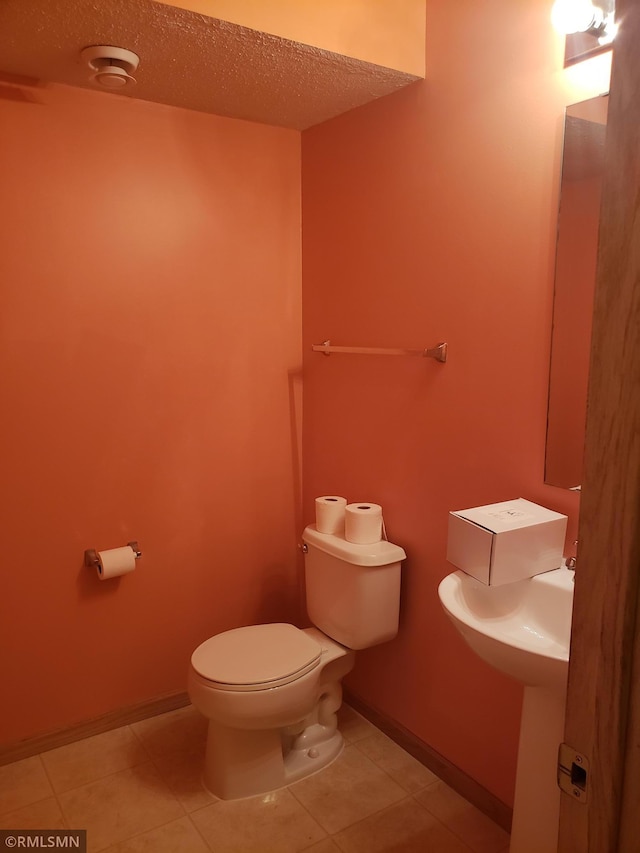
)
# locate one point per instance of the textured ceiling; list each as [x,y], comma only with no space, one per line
[190,60]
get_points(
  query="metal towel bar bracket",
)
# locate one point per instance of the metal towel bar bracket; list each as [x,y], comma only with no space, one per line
[439,352]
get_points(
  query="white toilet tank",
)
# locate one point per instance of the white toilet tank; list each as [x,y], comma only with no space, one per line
[353,591]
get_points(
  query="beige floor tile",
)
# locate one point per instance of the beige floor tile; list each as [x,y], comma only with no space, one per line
[353,725]
[179,836]
[465,820]
[404,768]
[402,828]
[443,802]
[326,846]
[348,790]
[183,774]
[479,832]
[184,730]
[45,814]
[119,806]
[92,758]
[272,823]
[22,783]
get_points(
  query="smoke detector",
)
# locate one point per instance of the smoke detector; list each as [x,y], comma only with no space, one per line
[113,67]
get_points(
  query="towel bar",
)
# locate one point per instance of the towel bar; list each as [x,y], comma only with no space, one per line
[439,352]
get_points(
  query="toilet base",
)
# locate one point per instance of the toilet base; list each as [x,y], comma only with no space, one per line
[302,762]
[246,762]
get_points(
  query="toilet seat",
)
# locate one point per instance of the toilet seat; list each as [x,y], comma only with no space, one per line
[257,657]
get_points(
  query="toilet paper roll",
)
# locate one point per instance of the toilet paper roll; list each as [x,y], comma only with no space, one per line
[330,514]
[115,562]
[363,523]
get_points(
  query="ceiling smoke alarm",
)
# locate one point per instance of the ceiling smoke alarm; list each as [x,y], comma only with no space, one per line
[113,67]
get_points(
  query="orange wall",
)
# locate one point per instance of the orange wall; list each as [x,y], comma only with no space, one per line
[150,358]
[429,216]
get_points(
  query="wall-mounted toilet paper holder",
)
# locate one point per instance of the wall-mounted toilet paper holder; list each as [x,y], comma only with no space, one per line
[91,560]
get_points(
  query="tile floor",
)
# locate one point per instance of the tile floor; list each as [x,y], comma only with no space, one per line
[137,790]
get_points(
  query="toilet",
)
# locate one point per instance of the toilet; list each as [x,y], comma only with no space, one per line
[271,692]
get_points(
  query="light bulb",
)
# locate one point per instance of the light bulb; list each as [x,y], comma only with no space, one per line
[574,16]
[610,30]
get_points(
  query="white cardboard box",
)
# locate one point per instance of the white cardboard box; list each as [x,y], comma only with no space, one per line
[505,542]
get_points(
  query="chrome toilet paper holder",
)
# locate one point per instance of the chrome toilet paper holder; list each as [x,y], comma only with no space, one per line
[91,560]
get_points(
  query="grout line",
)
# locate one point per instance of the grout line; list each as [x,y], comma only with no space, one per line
[53,795]
[143,832]
[312,816]
[138,739]
[168,786]
[444,823]
[468,807]
[46,773]
[451,825]
[406,796]
[147,760]
[378,812]
[388,773]
[102,778]
[195,826]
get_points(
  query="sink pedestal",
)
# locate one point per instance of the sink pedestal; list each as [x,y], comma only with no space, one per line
[536,808]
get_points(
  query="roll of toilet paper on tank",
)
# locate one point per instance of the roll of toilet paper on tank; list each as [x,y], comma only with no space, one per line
[363,523]
[115,562]
[330,514]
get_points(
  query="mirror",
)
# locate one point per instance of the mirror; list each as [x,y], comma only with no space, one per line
[575,275]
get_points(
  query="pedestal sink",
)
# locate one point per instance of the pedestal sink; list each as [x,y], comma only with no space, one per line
[523,629]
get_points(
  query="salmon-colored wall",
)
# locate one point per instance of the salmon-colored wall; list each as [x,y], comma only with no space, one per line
[149,377]
[430,216]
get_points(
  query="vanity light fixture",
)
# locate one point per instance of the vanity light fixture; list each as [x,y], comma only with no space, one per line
[581,16]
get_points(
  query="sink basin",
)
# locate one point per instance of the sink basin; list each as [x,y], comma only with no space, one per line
[522,629]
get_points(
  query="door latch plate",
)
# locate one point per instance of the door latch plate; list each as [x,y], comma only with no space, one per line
[573,773]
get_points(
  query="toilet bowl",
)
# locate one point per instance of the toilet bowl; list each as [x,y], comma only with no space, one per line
[271,692]
[273,720]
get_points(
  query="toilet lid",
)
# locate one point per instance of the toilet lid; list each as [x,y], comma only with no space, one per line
[256,657]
